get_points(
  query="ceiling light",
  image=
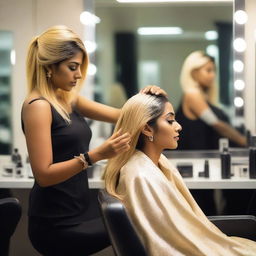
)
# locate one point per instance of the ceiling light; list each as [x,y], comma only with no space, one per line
[159,31]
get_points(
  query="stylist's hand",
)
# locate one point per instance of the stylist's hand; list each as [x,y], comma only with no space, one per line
[116,144]
[153,89]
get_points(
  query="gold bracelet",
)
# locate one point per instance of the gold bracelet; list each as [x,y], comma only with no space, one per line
[82,161]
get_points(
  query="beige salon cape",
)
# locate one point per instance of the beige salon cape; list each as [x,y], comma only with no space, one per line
[167,217]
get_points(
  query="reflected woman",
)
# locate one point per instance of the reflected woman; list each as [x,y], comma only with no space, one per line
[202,121]
[164,212]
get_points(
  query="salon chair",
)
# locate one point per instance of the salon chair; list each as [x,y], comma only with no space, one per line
[126,242]
[10,213]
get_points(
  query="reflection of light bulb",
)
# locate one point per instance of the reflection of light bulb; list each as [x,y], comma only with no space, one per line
[238,66]
[90,46]
[239,44]
[88,18]
[212,50]
[211,35]
[239,85]
[92,69]
[13,57]
[240,17]
[238,102]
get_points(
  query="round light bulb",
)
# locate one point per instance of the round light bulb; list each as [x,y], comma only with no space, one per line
[238,102]
[239,85]
[239,44]
[92,69]
[238,66]
[240,17]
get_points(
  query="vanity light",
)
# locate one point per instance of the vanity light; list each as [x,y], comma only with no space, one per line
[240,17]
[13,57]
[239,85]
[239,44]
[238,102]
[90,46]
[92,69]
[147,31]
[212,50]
[238,66]
[88,18]
[211,35]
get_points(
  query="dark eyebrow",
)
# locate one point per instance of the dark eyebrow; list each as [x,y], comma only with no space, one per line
[170,114]
[74,62]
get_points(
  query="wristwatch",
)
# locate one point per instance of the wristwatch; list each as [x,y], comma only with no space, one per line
[87,159]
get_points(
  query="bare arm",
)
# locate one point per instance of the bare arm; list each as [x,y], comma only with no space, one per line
[37,121]
[97,111]
[197,105]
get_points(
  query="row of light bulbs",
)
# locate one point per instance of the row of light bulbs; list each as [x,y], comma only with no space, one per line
[239,45]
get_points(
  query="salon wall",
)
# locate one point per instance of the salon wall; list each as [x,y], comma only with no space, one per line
[26,18]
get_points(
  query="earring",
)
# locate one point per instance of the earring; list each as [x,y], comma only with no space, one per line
[150,138]
[48,74]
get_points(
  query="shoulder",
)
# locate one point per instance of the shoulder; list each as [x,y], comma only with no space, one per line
[34,108]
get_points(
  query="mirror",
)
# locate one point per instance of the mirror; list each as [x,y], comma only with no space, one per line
[124,55]
[6,46]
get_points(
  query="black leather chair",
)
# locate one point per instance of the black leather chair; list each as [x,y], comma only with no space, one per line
[10,213]
[122,233]
[126,242]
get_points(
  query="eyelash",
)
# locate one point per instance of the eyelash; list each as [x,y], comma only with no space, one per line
[171,121]
[72,68]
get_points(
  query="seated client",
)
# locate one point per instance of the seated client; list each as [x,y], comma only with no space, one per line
[166,216]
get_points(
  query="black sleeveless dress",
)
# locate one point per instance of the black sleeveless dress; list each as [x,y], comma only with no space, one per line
[196,134]
[60,222]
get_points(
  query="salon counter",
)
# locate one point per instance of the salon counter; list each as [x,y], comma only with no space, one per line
[239,180]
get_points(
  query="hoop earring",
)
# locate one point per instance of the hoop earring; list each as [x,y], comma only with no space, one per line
[151,138]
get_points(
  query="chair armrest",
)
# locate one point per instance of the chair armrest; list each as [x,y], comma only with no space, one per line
[236,225]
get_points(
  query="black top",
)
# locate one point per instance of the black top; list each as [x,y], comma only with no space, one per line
[67,201]
[196,134]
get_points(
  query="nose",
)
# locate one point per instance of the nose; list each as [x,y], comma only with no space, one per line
[178,127]
[78,74]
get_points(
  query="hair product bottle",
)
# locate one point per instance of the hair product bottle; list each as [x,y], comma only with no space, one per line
[252,158]
[225,159]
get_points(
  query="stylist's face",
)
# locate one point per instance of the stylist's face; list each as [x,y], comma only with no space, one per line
[205,75]
[65,75]
[166,135]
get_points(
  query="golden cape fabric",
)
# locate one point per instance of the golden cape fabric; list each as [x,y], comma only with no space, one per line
[167,217]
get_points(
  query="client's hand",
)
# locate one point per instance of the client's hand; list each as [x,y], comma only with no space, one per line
[153,89]
[116,144]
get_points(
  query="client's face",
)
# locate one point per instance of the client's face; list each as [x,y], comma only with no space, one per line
[167,134]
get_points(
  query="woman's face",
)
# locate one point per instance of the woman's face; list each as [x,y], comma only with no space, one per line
[205,75]
[65,75]
[166,135]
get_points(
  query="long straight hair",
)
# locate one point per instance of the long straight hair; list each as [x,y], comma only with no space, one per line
[56,44]
[194,61]
[138,111]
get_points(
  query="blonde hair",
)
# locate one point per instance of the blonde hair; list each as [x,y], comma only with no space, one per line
[194,61]
[53,46]
[138,111]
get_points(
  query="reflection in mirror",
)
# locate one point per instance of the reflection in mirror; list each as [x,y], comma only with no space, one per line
[6,57]
[135,60]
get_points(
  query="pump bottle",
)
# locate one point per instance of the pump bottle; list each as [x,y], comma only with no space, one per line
[252,158]
[225,164]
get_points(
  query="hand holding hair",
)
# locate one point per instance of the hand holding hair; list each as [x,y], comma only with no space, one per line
[116,144]
[153,89]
